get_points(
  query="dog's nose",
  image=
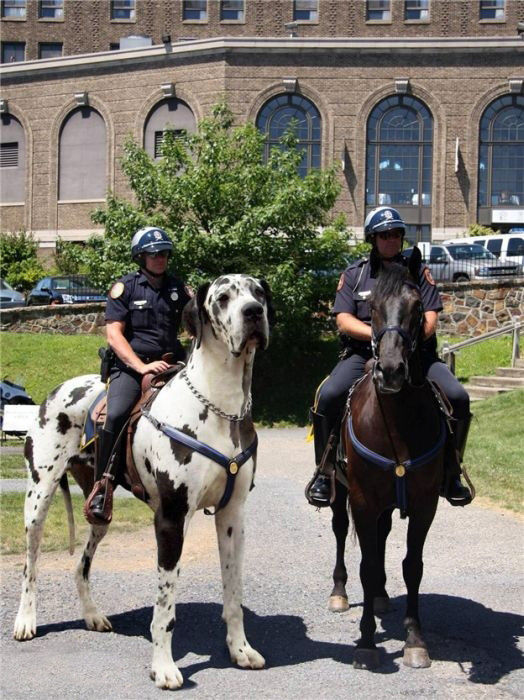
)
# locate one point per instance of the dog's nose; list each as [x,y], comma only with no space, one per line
[253,311]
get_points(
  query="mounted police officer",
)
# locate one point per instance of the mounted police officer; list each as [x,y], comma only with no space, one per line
[385,230]
[143,314]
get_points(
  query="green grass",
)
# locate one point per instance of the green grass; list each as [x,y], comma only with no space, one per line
[494,452]
[482,358]
[12,466]
[128,515]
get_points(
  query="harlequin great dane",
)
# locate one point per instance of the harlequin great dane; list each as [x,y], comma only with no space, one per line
[208,402]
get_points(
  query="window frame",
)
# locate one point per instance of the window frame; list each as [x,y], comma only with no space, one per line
[18,44]
[378,3]
[195,20]
[48,44]
[51,5]
[419,6]
[306,20]
[14,4]
[126,5]
[492,5]
[233,20]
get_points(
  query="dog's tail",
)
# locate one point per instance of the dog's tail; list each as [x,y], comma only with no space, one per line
[64,485]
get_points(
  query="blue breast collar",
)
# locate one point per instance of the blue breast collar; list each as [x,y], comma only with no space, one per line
[231,466]
[387,464]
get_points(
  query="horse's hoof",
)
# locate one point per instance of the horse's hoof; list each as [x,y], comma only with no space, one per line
[416,657]
[367,659]
[381,605]
[338,603]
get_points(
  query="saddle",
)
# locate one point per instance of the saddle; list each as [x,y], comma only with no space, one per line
[127,475]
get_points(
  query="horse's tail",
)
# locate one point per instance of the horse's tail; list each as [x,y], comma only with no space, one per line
[64,485]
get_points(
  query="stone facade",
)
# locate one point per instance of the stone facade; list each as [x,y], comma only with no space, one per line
[470,308]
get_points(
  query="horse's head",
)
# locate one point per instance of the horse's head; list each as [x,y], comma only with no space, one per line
[396,323]
[236,309]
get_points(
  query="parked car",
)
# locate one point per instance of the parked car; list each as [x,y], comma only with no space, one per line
[461,262]
[504,246]
[64,290]
[9,297]
[11,393]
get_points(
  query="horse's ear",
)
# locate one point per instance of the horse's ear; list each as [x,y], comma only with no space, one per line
[271,315]
[414,263]
[194,315]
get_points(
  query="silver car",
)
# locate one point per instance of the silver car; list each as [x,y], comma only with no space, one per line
[9,297]
[461,262]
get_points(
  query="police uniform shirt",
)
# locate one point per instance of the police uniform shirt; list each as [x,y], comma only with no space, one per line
[358,280]
[151,316]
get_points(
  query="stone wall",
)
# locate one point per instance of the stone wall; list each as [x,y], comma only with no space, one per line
[472,308]
[69,320]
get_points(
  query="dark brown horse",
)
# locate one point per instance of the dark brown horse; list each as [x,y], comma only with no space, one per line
[393,436]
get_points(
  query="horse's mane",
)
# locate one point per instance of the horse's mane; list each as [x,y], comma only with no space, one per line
[390,281]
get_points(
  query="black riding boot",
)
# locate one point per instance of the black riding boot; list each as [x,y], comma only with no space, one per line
[318,490]
[455,491]
[99,503]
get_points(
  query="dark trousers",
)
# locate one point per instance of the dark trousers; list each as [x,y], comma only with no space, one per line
[334,391]
[122,394]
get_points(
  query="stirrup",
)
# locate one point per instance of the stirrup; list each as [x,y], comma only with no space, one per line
[321,501]
[102,489]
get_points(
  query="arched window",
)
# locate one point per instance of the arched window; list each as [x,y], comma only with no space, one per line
[12,160]
[82,156]
[501,156]
[275,118]
[169,114]
[399,153]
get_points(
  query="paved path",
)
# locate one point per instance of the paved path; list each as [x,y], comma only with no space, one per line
[471,607]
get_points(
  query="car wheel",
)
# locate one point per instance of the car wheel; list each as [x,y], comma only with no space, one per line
[461,278]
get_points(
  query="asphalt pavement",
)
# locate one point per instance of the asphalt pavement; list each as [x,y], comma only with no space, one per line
[471,607]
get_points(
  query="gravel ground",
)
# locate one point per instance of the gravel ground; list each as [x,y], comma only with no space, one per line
[471,606]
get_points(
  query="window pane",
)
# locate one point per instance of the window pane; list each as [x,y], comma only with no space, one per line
[12,52]
[195,9]
[123,9]
[51,9]
[416,9]
[232,9]
[378,9]
[491,9]
[305,10]
[14,8]
[48,50]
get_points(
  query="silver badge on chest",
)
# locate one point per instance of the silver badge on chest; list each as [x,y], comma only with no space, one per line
[174,295]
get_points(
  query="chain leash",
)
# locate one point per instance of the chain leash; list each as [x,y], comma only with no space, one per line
[232,417]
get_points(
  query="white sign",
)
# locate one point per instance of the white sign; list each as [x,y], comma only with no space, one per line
[457,154]
[18,418]
[507,216]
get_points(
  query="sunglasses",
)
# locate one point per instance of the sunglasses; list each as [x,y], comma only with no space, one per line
[387,235]
[159,254]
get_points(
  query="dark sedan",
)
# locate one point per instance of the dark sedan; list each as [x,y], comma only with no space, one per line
[64,290]
[9,297]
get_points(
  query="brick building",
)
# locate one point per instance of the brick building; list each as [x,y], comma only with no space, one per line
[420,102]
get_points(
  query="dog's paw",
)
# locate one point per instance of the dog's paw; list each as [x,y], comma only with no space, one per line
[25,626]
[247,657]
[166,675]
[98,622]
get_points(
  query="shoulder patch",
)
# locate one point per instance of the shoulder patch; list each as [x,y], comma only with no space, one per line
[340,282]
[428,276]
[116,290]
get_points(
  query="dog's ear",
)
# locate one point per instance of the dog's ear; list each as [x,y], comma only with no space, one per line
[271,315]
[194,315]
[414,263]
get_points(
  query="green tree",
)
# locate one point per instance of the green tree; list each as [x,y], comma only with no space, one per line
[19,264]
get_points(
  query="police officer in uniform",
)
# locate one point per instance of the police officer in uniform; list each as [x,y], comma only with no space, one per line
[143,314]
[385,230]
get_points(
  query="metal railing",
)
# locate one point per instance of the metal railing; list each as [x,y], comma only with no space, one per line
[448,351]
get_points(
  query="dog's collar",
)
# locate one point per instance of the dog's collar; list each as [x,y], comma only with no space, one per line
[231,465]
[232,417]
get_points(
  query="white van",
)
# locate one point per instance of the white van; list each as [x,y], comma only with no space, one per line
[505,246]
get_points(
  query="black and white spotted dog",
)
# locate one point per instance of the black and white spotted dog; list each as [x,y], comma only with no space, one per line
[209,401]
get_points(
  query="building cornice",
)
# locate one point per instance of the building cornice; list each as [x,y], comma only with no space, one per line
[230,45]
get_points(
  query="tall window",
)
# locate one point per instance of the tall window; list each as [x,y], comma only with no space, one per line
[49,50]
[492,9]
[378,10]
[283,111]
[194,9]
[399,153]
[305,10]
[13,51]
[168,115]
[14,9]
[416,9]
[123,10]
[232,10]
[501,156]
[82,156]
[12,160]
[51,9]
